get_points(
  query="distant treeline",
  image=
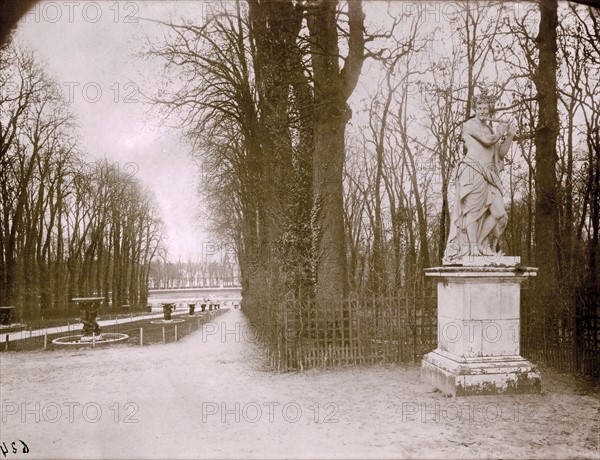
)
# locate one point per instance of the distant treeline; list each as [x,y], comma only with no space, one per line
[193,274]
[68,227]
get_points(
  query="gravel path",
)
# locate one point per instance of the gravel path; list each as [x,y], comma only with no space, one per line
[208,396]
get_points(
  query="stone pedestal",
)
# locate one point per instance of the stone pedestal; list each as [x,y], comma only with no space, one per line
[478,349]
[89,307]
[167,310]
[6,315]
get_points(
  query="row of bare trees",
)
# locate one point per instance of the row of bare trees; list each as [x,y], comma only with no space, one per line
[262,92]
[193,274]
[318,207]
[68,227]
[399,169]
[542,63]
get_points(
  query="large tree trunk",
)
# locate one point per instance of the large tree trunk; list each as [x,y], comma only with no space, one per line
[332,89]
[545,148]
[274,26]
[546,210]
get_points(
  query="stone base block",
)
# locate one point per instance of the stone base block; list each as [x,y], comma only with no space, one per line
[484,261]
[480,376]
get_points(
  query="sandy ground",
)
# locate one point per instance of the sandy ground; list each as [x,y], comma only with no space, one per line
[208,396]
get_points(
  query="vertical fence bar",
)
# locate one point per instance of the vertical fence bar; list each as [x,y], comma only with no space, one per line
[163,333]
[414,328]
[348,349]
[141,336]
[285,337]
[6,342]
[400,329]
[176,333]
[343,325]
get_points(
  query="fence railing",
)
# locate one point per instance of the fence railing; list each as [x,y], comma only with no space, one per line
[304,334]
[565,336]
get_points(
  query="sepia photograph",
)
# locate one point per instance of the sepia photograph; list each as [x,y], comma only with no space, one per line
[299,229]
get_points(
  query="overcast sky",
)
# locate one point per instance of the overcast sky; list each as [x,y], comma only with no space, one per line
[88,48]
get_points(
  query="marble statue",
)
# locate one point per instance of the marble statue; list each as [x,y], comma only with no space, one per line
[478,217]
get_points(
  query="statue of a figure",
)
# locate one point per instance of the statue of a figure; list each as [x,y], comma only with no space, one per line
[478,217]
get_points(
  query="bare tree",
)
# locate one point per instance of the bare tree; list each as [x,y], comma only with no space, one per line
[332,86]
[546,189]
